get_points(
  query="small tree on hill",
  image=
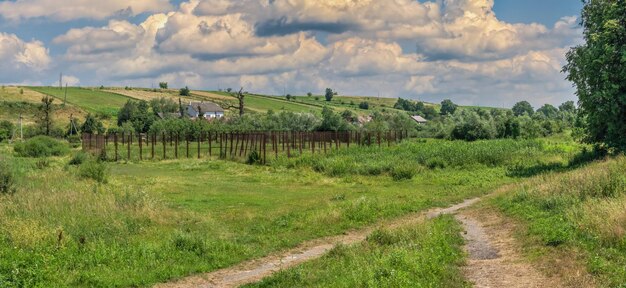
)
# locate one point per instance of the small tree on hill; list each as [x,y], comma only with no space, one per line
[163,85]
[448,107]
[364,105]
[329,94]
[45,115]
[309,94]
[240,98]
[185,91]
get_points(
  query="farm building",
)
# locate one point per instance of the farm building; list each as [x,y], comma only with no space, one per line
[419,119]
[206,110]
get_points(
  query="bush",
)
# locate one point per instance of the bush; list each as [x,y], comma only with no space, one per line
[254,158]
[97,171]
[435,163]
[79,158]
[185,91]
[41,146]
[7,179]
[403,172]
[364,105]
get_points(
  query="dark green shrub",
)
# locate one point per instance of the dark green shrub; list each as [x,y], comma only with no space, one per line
[404,172]
[41,146]
[97,171]
[435,163]
[254,158]
[7,178]
[79,158]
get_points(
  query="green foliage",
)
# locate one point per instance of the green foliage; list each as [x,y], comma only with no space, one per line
[92,125]
[364,105]
[41,146]
[388,258]
[79,158]
[309,94]
[329,94]
[523,108]
[471,127]
[448,107]
[163,85]
[332,121]
[403,172]
[254,158]
[94,170]
[42,163]
[580,211]
[44,117]
[596,69]
[184,91]
[21,91]
[7,179]
[6,130]
[137,114]
[163,105]
[549,111]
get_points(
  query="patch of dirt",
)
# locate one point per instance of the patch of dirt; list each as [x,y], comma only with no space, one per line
[495,258]
[255,270]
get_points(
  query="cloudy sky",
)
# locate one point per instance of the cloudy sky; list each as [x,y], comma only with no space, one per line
[472,51]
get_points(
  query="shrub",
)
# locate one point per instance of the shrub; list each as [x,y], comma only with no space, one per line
[41,146]
[185,91]
[7,179]
[364,105]
[79,158]
[97,171]
[254,158]
[435,163]
[403,172]
[6,130]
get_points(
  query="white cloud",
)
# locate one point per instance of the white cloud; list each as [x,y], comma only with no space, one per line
[17,55]
[454,49]
[78,9]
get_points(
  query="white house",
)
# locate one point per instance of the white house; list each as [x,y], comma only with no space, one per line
[206,110]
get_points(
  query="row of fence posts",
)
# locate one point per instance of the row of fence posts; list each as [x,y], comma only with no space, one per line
[236,144]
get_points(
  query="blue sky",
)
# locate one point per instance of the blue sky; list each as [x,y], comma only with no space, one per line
[423,50]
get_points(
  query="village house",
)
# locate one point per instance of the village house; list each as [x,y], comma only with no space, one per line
[419,119]
[206,110]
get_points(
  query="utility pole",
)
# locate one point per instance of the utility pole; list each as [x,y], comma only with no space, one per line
[61,81]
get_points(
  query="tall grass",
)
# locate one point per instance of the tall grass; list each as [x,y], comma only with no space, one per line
[424,255]
[431,154]
[585,209]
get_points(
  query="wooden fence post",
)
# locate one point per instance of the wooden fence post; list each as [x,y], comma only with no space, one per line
[187,142]
[153,140]
[176,144]
[164,145]
[130,137]
[140,148]
[115,142]
[199,143]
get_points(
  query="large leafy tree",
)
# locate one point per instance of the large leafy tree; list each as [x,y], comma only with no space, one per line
[523,108]
[597,69]
[448,107]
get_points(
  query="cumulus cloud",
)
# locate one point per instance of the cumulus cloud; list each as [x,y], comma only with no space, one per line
[19,58]
[78,9]
[455,49]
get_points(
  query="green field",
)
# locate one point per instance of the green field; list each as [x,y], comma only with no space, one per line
[90,100]
[157,221]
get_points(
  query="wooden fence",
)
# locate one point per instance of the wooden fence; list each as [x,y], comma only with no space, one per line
[161,146]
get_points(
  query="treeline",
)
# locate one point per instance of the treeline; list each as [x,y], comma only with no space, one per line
[522,121]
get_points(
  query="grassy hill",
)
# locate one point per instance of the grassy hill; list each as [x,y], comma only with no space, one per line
[91,100]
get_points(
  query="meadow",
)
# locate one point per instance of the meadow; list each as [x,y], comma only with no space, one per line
[90,100]
[581,213]
[157,221]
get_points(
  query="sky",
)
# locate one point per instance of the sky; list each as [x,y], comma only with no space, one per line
[474,52]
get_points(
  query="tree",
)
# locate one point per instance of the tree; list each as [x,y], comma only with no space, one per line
[364,105]
[329,94]
[523,108]
[568,107]
[185,91]
[596,68]
[447,107]
[289,97]
[549,111]
[309,94]
[45,115]
[163,85]
[229,90]
[163,105]
[92,125]
[332,121]
[240,98]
